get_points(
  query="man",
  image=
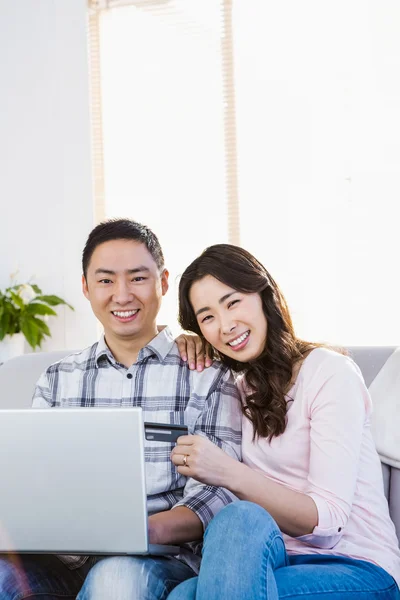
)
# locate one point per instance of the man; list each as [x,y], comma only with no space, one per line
[124,279]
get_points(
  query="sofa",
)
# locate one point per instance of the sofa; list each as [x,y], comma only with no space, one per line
[380,366]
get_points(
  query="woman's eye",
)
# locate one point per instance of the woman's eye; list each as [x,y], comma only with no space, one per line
[207,318]
[232,303]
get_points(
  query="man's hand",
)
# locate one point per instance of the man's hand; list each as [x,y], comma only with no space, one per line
[196,456]
[193,351]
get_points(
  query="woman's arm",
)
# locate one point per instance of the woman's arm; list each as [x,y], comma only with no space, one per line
[337,409]
[295,513]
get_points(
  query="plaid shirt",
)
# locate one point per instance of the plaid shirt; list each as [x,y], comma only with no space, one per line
[168,392]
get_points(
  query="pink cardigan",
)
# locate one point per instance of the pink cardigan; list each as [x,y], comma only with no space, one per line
[327,452]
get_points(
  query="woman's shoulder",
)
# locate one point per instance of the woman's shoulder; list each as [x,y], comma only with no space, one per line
[328,360]
[323,364]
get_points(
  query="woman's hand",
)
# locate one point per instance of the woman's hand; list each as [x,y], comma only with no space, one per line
[196,456]
[194,352]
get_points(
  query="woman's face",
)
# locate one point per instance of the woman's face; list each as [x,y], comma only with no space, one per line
[233,322]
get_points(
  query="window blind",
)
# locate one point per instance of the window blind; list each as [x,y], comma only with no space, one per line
[163,114]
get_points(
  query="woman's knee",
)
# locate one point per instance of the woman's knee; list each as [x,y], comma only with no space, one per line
[185,590]
[240,518]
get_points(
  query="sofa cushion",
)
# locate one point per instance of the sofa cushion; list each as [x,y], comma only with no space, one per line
[19,375]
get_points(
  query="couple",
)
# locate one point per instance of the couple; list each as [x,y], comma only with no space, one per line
[313,519]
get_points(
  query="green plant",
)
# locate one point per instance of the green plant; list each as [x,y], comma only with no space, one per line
[24,308]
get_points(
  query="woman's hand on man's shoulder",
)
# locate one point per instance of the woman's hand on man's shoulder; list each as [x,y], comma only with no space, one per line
[195,351]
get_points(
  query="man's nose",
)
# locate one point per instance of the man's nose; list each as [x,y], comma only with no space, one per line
[122,293]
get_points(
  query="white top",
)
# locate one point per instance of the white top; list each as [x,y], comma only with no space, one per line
[328,453]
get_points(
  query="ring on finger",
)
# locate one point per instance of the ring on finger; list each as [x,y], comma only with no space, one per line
[184,460]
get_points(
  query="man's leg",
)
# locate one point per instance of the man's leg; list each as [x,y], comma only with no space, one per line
[37,576]
[134,578]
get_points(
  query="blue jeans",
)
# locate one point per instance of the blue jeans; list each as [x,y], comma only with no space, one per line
[134,578]
[244,557]
[38,576]
[45,577]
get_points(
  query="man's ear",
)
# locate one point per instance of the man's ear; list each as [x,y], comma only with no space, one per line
[85,288]
[164,281]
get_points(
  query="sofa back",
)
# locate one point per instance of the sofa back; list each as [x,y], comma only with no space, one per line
[19,375]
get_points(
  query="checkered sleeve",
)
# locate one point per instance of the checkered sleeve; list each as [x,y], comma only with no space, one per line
[43,394]
[220,421]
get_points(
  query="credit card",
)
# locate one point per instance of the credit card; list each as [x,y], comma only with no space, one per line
[163,432]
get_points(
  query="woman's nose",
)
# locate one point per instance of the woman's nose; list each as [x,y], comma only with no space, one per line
[227,326]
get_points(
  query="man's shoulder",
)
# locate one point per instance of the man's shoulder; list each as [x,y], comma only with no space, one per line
[213,375]
[216,367]
[82,360]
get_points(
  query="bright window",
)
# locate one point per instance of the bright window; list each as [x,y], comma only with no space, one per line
[306,119]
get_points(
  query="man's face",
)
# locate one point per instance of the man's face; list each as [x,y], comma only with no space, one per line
[125,288]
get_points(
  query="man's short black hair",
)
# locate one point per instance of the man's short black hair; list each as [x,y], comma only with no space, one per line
[122,229]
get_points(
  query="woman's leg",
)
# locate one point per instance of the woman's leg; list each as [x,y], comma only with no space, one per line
[322,576]
[243,547]
[244,557]
[185,591]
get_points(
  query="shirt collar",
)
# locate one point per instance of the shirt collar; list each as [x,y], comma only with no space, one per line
[160,346]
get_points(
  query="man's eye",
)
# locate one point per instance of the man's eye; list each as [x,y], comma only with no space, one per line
[105,281]
[138,278]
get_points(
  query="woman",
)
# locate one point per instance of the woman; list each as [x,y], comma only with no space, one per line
[314,522]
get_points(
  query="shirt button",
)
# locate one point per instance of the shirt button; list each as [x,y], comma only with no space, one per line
[129,376]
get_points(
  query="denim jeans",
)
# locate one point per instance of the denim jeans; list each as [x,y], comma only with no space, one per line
[244,557]
[38,576]
[45,577]
[134,578]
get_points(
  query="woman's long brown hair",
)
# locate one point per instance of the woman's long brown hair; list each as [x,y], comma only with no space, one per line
[269,375]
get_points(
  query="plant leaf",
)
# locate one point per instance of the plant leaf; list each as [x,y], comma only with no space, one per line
[31,332]
[53,300]
[35,288]
[17,299]
[37,308]
[42,326]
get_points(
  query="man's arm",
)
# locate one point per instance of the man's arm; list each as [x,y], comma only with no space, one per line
[175,526]
[43,396]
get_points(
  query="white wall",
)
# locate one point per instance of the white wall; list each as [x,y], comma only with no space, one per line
[319,156]
[45,170]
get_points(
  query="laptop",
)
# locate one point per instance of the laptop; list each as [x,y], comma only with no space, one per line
[73,482]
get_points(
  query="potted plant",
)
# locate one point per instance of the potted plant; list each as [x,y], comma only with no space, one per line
[24,310]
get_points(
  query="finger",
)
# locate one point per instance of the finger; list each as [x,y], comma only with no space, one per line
[208,355]
[181,343]
[191,353]
[200,358]
[181,450]
[186,440]
[184,470]
[180,460]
